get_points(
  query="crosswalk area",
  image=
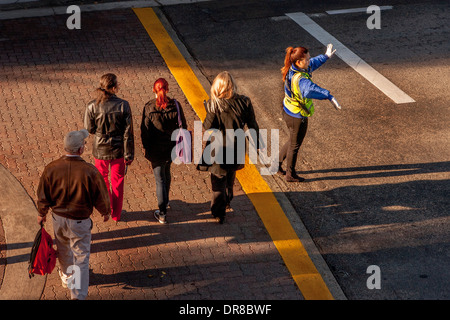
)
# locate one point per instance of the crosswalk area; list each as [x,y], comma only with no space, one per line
[376,172]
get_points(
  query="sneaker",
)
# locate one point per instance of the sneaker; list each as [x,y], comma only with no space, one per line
[161,217]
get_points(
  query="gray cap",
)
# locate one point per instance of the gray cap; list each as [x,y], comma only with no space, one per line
[74,140]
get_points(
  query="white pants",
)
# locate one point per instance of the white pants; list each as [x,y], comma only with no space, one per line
[73,241]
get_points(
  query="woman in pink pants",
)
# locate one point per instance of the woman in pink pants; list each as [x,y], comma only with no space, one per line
[109,119]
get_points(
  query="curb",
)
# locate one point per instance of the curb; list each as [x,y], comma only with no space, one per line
[2,252]
[280,196]
[44,11]
[18,214]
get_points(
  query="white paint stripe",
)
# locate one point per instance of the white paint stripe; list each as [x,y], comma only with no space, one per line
[353,10]
[50,11]
[359,65]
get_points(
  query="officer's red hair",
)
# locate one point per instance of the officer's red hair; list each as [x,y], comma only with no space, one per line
[292,56]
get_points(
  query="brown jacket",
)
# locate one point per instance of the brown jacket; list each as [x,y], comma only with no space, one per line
[72,188]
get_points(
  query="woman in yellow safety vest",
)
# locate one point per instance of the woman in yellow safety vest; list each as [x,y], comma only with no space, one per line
[298,106]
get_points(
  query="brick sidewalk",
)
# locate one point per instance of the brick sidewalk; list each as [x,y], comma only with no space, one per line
[48,75]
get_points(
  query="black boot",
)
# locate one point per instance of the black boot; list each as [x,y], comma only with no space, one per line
[275,167]
[280,171]
[220,219]
[293,177]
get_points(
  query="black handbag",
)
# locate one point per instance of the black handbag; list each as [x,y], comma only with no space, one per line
[202,165]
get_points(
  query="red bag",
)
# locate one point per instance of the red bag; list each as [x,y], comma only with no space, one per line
[42,256]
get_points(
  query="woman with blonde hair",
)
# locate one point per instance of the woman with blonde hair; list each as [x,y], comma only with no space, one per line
[227,110]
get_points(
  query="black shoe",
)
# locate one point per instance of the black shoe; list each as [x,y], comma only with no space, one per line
[294,178]
[220,220]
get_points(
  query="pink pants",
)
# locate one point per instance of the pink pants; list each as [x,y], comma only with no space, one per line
[117,180]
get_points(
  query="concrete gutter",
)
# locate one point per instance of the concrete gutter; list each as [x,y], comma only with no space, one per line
[90,7]
[18,214]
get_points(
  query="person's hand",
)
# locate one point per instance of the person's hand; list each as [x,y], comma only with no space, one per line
[336,104]
[330,52]
[41,220]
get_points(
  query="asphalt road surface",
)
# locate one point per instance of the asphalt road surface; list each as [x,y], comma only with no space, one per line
[377,172]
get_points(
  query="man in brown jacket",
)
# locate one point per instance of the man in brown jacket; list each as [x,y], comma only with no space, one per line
[72,188]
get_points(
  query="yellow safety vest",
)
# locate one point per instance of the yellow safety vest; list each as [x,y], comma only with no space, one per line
[297,103]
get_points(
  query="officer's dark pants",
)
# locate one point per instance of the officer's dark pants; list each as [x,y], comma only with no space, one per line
[297,131]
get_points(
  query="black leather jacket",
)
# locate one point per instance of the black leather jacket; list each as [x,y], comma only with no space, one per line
[238,113]
[156,130]
[111,124]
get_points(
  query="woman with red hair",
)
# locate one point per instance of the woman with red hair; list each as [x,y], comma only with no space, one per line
[159,120]
[298,104]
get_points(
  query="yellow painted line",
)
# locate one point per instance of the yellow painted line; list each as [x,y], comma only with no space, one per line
[299,264]
[175,61]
